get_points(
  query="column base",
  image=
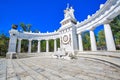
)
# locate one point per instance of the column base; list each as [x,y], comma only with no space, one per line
[11,55]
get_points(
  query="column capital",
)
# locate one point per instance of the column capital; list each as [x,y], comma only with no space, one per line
[30,39]
[39,39]
[47,39]
[19,39]
[55,39]
[92,29]
[107,21]
[80,33]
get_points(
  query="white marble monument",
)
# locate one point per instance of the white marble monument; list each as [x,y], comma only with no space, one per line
[70,31]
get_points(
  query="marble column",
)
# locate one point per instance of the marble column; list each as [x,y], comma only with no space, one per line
[55,46]
[29,48]
[60,42]
[109,38]
[80,42]
[47,45]
[39,46]
[19,45]
[93,41]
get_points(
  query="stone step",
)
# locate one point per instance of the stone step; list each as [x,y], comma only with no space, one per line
[92,72]
[44,68]
[112,60]
[101,53]
[28,55]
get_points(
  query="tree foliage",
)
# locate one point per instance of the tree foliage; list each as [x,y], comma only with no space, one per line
[101,43]
[26,27]
[58,43]
[24,46]
[86,40]
[115,25]
[4,41]
[101,39]
[34,45]
[51,45]
[43,45]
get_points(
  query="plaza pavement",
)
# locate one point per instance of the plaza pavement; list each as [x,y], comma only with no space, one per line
[46,68]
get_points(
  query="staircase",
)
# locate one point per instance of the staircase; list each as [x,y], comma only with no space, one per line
[109,57]
[28,55]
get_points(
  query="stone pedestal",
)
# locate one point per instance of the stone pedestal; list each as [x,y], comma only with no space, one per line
[12,56]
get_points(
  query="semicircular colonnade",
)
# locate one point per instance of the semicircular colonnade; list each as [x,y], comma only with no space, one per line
[70,31]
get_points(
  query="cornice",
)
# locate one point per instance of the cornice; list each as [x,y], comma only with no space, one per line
[100,17]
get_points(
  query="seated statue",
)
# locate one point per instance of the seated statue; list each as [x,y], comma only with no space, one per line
[61,52]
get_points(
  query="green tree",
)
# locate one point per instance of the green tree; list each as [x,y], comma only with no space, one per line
[29,27]
[86,40]
[51,45]
[101,39]
[43,45]
[58,43]
[26,27]
[115,25]
[4,41]
[34,45]
[24,46]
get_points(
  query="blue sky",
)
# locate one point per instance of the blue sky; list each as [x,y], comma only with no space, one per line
[44,15]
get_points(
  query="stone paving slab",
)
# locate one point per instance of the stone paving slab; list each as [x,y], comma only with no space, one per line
[2,69]
[71,70]
[44,68]
[50,74]
[11,75]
